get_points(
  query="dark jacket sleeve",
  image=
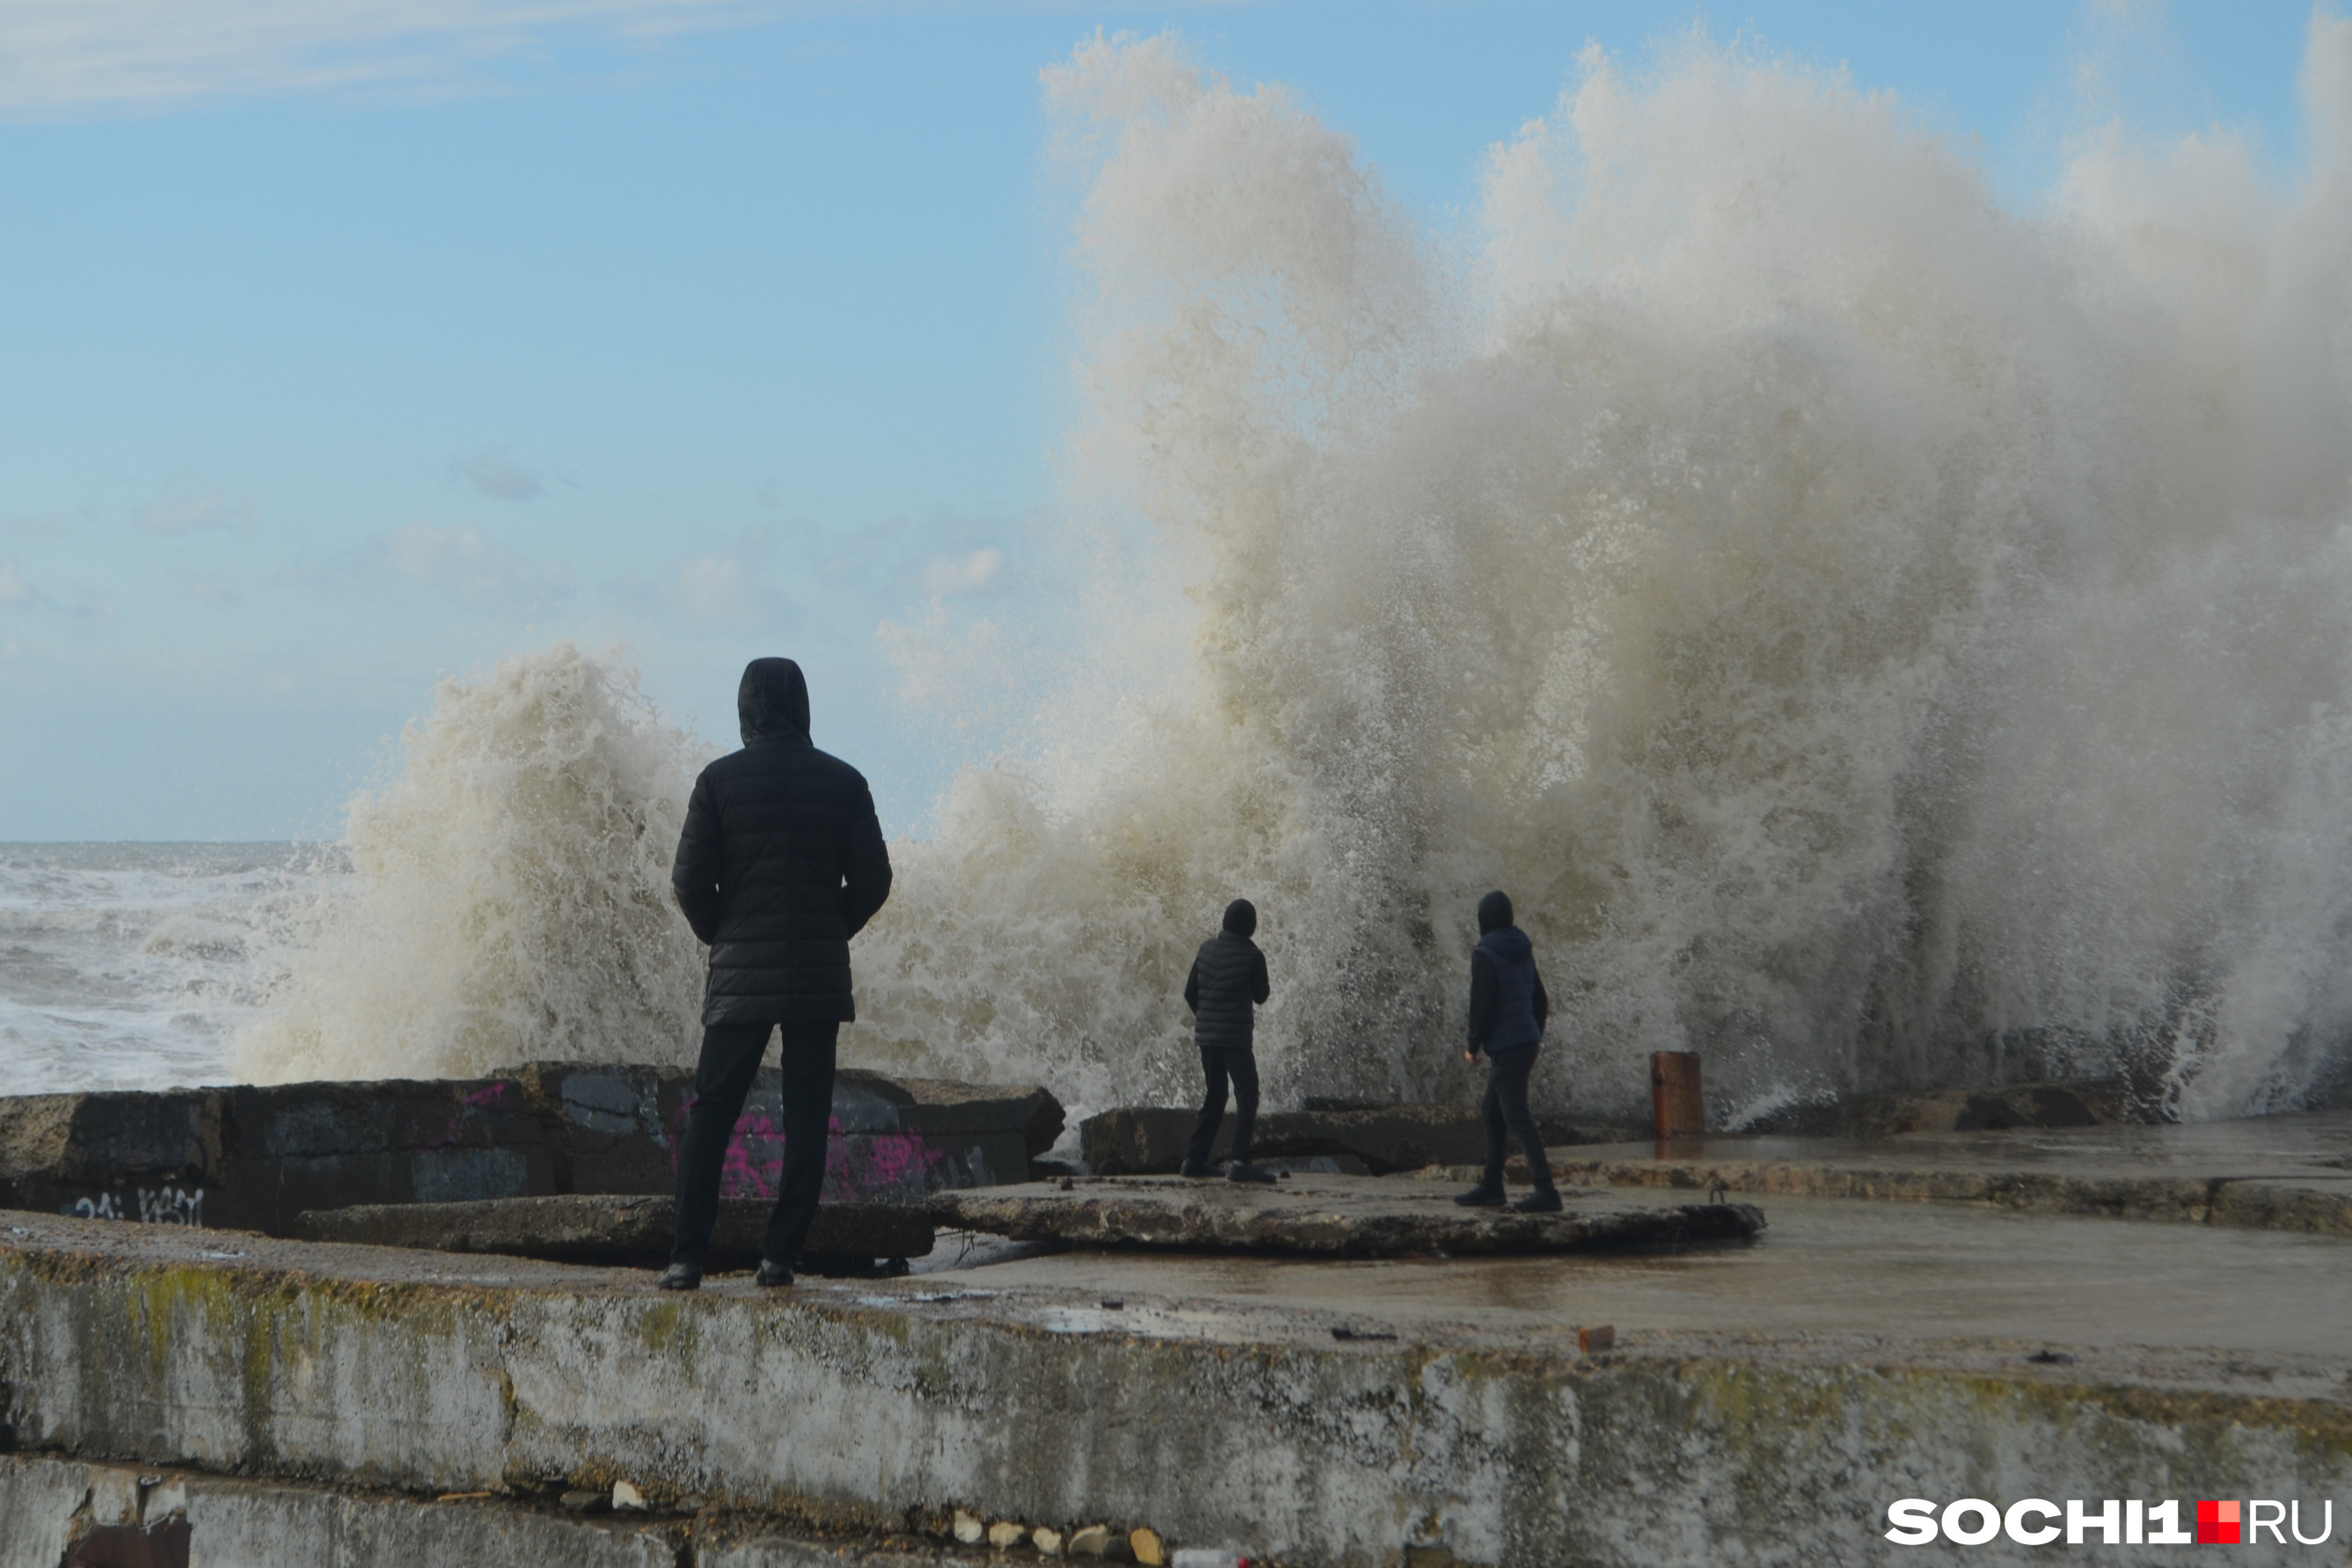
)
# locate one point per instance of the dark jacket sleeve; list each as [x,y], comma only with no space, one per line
[1192,988]
[1543,1002]
[1482,988]
[1260,988]
[865,870]
[695,873]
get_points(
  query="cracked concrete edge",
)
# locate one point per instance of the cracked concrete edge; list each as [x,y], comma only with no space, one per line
[863,1410]
[2250,1203]
[240,1523]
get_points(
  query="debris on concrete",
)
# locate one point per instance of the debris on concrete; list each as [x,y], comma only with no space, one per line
[1358,1217]
[1598,1337]
[1092,1541]
[968,1529]
[611,1231]
[1145,1544]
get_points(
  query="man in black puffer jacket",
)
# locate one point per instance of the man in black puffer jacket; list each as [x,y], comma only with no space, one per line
[1508,1011]
[1227,983]
[781,863]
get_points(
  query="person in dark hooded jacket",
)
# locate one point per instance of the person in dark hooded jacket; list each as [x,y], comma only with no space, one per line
[780,863]
[1508,1009]
[1227,983]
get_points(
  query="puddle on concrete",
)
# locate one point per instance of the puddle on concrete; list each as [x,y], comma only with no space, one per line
[1827,1265]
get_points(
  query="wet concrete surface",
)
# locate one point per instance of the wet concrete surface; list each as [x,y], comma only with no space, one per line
[1826,1266]
[2283,1173]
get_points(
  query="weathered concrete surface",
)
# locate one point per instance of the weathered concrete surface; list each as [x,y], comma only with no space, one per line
[614,1229]
[252,1157]
[1212,1421]
[1150,1140]
[50,1507]
[2279,1173]
[1354,1217]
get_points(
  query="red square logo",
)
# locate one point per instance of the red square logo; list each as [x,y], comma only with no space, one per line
[2217,1524]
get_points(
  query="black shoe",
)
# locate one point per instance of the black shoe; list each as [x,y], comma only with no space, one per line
[771,1274]
[1481,1196]
[679,1277]
[1544,1202]
[1194,1168]
[1242,1170]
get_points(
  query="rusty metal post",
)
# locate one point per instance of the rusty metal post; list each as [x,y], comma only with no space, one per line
[1674,1103]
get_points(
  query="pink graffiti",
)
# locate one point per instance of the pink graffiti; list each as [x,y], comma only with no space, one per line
[496,1094]
[857,1166]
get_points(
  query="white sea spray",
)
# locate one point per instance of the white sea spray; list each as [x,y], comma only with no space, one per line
[510,894]
[1877,637]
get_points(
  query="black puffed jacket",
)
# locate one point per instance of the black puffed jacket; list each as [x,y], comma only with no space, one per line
[1228,979]
[782,862]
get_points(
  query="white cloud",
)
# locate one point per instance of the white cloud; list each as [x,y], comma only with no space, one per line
[477,574]
[187,502]
[62,55]
[946,575]
[497,474]
[15,591]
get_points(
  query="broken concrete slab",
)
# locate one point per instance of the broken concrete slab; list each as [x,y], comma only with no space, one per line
[248,1157]
[2286,1173]
[614,1229]
[1354,1217]
[1149,1141]
[252,1157]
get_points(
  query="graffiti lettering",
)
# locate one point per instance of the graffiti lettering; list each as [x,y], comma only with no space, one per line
[171,1206]
[157,1205]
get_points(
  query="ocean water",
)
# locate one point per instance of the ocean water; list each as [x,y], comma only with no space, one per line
[1879,638]
[131,966]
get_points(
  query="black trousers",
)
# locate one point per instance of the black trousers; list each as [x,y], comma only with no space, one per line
[1506,1110]
[731,1062]
[1216,1066]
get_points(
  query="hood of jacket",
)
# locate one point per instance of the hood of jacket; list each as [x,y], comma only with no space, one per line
[1495,912]
[1510,944]
[1241,917]
[773,702]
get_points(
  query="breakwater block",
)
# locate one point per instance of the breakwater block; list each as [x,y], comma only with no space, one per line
[1142,1140]
[253,1158]
[611,1229]
[891,1139]
[1356,1217]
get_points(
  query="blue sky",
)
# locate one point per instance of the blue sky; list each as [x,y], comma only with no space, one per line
[349,343]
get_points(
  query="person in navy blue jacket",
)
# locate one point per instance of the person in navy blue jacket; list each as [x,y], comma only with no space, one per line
[1508,1009]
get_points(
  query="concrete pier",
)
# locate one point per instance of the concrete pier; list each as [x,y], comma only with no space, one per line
[1761,1405]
